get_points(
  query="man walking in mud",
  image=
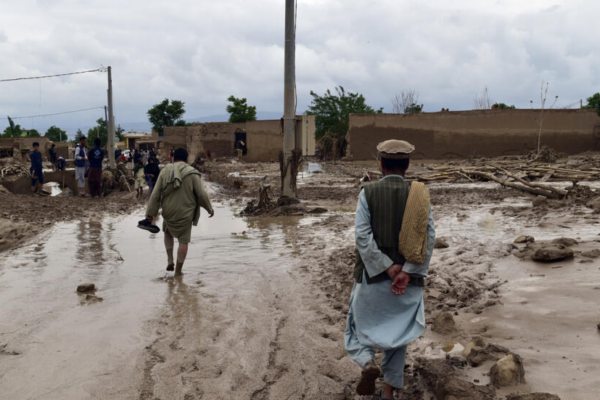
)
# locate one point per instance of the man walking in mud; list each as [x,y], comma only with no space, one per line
[393,225]
[180,194]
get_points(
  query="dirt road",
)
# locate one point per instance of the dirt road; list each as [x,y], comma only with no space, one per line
[260,311]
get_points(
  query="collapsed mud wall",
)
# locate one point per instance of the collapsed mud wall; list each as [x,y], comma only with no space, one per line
[462,134]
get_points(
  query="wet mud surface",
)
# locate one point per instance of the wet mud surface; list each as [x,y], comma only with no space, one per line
[260,310]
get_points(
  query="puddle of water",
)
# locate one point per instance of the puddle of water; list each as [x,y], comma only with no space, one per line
[69,346]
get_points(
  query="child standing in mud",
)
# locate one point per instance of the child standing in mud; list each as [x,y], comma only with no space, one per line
[138,175]
[387,311]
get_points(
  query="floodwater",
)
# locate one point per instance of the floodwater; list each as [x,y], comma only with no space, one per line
[236,301]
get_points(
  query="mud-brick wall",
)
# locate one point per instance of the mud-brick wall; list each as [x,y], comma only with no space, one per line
[488,133]
[265,140]
[219,138]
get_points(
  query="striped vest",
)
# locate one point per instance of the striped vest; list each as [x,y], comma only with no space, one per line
[386,200]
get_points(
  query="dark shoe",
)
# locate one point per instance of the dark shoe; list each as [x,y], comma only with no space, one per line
[366,384]
[147,225]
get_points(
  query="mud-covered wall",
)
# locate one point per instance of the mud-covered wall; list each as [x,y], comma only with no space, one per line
[23,184]
[488,133]
[263,139]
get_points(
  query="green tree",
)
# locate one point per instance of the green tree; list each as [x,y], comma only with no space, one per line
[414,109]
[14,131]
[503,106]
[594,102]
[240,111]
[165,113]
[333,112]
[56,134]
[99,131]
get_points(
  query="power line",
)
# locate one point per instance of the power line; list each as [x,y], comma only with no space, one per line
[60,113]
[102,69]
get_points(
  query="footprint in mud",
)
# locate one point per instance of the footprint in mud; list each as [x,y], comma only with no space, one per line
[4,352]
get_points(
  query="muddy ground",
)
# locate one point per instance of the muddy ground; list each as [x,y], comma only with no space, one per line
[260,312]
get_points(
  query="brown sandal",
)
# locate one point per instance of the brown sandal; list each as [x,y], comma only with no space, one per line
[366,384]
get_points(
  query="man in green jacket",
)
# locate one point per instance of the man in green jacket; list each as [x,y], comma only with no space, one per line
[180,194]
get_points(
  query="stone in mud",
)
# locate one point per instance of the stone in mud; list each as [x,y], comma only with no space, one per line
[552,254]
[567,242]
[476,342]
[441,379]
[317,210]
[594,204]
[479,355]
[508,371]
[540,201]
[443,323]
[86,288]
[591,254]
[525,239]
[533,396]
[440,244]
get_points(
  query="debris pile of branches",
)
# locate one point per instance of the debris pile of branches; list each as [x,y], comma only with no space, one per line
[530,177]
[14,169]
[284,206]
[545,155]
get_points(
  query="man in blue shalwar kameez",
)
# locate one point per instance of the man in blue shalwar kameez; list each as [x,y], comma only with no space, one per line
[386,304]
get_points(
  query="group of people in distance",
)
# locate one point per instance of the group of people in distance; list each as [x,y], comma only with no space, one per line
[88,166]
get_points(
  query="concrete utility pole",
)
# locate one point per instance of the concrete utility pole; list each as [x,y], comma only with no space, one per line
[289,100]
[110,124]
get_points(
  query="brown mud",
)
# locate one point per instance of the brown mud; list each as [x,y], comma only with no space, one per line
[260,311]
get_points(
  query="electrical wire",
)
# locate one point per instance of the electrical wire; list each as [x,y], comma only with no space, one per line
[101,69]
[60,113]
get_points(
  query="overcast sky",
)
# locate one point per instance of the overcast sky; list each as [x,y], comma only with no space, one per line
[201,52]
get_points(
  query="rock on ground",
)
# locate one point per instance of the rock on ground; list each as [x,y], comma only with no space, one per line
[479,355]
[552,254]
[525,239]
[86,287]
[508,371]
[594,204]
[568,242]
[444,323]
[440,378]
[440,244]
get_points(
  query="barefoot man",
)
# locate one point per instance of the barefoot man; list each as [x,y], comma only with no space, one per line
[180,194]
[386,305]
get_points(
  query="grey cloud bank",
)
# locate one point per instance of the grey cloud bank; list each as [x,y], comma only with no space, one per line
[203,51]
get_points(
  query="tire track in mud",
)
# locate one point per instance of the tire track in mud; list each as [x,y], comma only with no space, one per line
[274,372]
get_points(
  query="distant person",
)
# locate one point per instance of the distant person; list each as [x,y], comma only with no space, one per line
[208,155]
[96,155]
[81,165]
[138,175]
[136,157]
[151,172]
[36,170]
[153,153]
[117,153]
[171,153]
[240,149]
[145,156]
[180,194]
[61,163]
[52,153]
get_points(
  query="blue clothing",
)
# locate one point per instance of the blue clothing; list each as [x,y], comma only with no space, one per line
[36,160]
[377,318]
[95,157]
[80,154]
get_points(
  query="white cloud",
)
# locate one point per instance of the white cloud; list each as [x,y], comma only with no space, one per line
[203,51]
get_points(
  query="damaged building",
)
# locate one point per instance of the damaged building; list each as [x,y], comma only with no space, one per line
[261,141]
